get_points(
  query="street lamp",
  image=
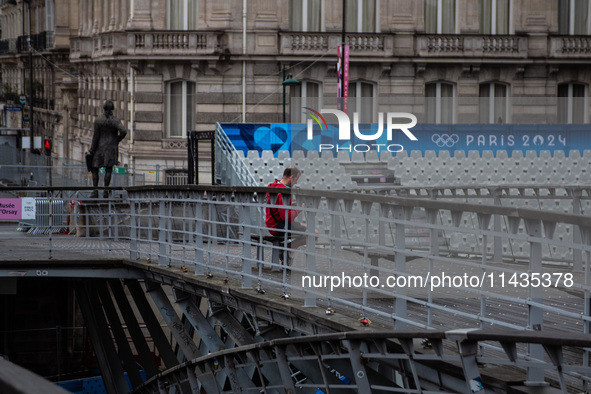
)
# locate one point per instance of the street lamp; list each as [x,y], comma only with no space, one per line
[290,81]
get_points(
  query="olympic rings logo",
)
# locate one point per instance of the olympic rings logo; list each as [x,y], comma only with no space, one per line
[445,140]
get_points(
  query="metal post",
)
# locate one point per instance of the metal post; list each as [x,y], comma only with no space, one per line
[284,93]
[535,375]
[30,77]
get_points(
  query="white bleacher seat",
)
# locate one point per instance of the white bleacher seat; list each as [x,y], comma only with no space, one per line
[283,155]
[312,154]
[502,154]
[326,155]
[560,154]
[372,157]
[343,156]
[531,154]
[252,154]
[459,154]
[357,157]
[545,154]
[517,154]
[267,154]
[444,155]
[297,155]
[487,154]
[574,154]
[239,154]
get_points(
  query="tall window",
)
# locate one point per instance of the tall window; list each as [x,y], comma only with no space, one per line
[495,16]
[49,15]
[440,16]
[572,98]
[494,103]
[180,100]
[306,15]
[183,14]
[360,16]
[439,102]
[573,17]
[307,94]
[362,100]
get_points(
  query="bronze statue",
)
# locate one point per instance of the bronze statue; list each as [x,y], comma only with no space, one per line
[108,132]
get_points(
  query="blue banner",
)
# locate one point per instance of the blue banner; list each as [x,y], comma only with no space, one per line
[452,138]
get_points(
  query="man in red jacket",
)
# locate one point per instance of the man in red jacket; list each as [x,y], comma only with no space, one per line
[275,219]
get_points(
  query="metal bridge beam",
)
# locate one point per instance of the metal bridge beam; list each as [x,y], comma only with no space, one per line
[123,348]
[133,327]
[100,336]
[136,291]
[210,338]
[172,320]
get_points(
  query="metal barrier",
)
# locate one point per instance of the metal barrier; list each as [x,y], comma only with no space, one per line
[50,217]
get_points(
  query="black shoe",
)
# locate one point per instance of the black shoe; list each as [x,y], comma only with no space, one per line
[94,194]
[106,194]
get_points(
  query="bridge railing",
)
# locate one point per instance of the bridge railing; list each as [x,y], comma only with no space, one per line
[384,259]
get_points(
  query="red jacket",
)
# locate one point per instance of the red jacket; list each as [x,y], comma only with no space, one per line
[276,215]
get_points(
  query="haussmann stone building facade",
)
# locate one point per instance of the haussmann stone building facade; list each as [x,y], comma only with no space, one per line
[172,66]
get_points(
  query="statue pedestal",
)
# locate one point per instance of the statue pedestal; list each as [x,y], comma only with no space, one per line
[99,219]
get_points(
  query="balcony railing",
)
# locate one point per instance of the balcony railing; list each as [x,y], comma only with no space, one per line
[301,43]
[147,44]
[468,45]
[570,46]
[183,43]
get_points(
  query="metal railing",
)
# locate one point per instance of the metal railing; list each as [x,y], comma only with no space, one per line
[383,258]
[230,168]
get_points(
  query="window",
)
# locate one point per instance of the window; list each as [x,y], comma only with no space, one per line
[362,100]
[180,102]
[306,15]
[573,17]
[440,16]
[572,98]
[50,22]
[439,102]
[183,14]
[494,103]
[360,16]
[307,94]
[495,16]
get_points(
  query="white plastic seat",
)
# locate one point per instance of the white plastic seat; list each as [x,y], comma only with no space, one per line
[372,157]
[312,154]
[502,154]
[252,154]
[283,155]
[343,156]
[267,154]
[357,157]
[297,155]
[574,154]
